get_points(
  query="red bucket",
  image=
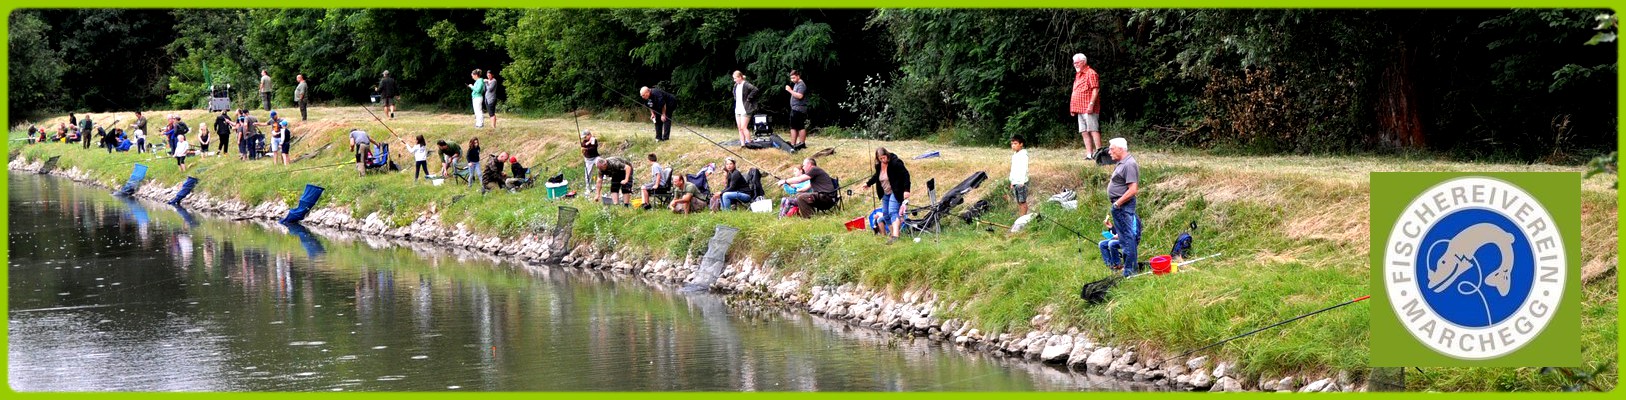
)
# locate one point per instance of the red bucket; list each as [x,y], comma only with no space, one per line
[1160,264]
[856,224]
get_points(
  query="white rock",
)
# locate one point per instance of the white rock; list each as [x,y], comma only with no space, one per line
[1080,353]
[1220,369]
[1315,386]
[1226,384]
[1057,350]
[1099,360]
[1035,347]
[1201,380]
[1287,383]
[1195,363]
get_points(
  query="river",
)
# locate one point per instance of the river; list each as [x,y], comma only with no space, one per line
[110,294]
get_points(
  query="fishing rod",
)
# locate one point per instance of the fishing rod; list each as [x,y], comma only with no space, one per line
[314,168]
[380,121]
[1303,316]
[687,128]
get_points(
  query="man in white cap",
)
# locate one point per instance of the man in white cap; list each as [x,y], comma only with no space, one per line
[1085,104]
[1122,189]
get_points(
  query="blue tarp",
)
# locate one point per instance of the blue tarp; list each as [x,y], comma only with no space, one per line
[308,200]
[136,176]
[186,189]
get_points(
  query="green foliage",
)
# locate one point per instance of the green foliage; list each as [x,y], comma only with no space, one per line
[35,68]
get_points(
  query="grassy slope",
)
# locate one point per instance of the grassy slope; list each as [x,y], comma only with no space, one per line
[1287,225]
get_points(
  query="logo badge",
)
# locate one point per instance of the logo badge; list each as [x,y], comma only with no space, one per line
[1474,268]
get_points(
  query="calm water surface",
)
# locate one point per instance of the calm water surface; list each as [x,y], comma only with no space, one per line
[111,294]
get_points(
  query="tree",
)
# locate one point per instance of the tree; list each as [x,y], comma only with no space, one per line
[36,68]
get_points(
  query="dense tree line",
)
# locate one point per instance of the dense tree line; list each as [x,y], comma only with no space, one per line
[1521,83]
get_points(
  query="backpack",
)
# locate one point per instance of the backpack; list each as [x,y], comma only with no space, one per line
[1182,244]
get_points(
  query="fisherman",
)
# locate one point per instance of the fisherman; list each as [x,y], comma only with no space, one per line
[1122,189]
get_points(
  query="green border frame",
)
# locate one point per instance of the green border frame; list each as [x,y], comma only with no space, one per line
[4,218]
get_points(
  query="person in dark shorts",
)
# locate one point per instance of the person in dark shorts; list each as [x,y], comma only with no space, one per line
[1019,174]
[388,91]
[798,110]
[619,174]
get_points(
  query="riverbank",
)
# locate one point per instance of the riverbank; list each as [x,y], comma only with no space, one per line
[1285,224]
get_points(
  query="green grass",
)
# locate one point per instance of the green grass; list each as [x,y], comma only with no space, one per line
[1293,230]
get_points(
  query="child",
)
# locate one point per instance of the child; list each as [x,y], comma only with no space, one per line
[203,139]
[180,150]
[1019,174]
[420,157]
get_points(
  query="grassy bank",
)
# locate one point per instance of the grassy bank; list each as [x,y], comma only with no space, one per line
[1293,230]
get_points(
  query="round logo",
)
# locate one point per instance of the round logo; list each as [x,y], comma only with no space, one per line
[1474,268]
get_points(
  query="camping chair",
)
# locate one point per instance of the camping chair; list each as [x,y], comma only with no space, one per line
[929,219]
[760,129]
[524,183]
[379,158]
[662,193]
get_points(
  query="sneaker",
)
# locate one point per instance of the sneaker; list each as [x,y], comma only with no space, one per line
[891,239]
[1089,155]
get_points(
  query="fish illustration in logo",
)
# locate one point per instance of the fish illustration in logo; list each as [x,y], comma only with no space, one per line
[1459,258]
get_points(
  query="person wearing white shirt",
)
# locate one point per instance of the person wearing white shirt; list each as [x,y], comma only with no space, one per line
[745,98]
[1019,174]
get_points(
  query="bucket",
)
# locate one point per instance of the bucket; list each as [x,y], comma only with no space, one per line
[855,224]
[1160,264]
[557,190]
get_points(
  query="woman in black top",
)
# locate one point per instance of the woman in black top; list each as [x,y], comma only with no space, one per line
[891,181]
[473,157]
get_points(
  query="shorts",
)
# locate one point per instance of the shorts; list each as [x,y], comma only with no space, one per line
[491,107]
[389,101]
[798,120]
[286,144]
[1020,192]
[276,145]
[1089,122]
[180,160]
[617,187]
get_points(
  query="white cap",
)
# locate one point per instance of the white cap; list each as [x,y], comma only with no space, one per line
[1078,57]
[585,132]
[1119,143]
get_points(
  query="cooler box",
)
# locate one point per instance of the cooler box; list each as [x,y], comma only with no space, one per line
[557,190]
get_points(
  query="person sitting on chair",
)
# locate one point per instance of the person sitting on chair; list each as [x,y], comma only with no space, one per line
[686,198]
[657,182]
[821,194]
[449,154]
[517,173]
[737,191]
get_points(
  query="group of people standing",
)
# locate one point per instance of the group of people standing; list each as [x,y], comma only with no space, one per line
[663,104]
[483,92]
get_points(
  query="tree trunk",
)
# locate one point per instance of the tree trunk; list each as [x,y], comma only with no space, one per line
[1400,121]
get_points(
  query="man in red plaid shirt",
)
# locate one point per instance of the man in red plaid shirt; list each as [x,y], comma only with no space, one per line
[1085,104]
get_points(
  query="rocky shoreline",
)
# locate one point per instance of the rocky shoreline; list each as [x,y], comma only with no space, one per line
[913,313]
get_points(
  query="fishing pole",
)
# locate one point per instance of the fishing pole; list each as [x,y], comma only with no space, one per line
[380,121]
[320,166]
[686,128]
[1211,345]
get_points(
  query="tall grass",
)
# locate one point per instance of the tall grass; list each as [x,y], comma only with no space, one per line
[1292,230]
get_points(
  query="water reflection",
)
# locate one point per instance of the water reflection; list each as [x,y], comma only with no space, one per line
[174,301]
